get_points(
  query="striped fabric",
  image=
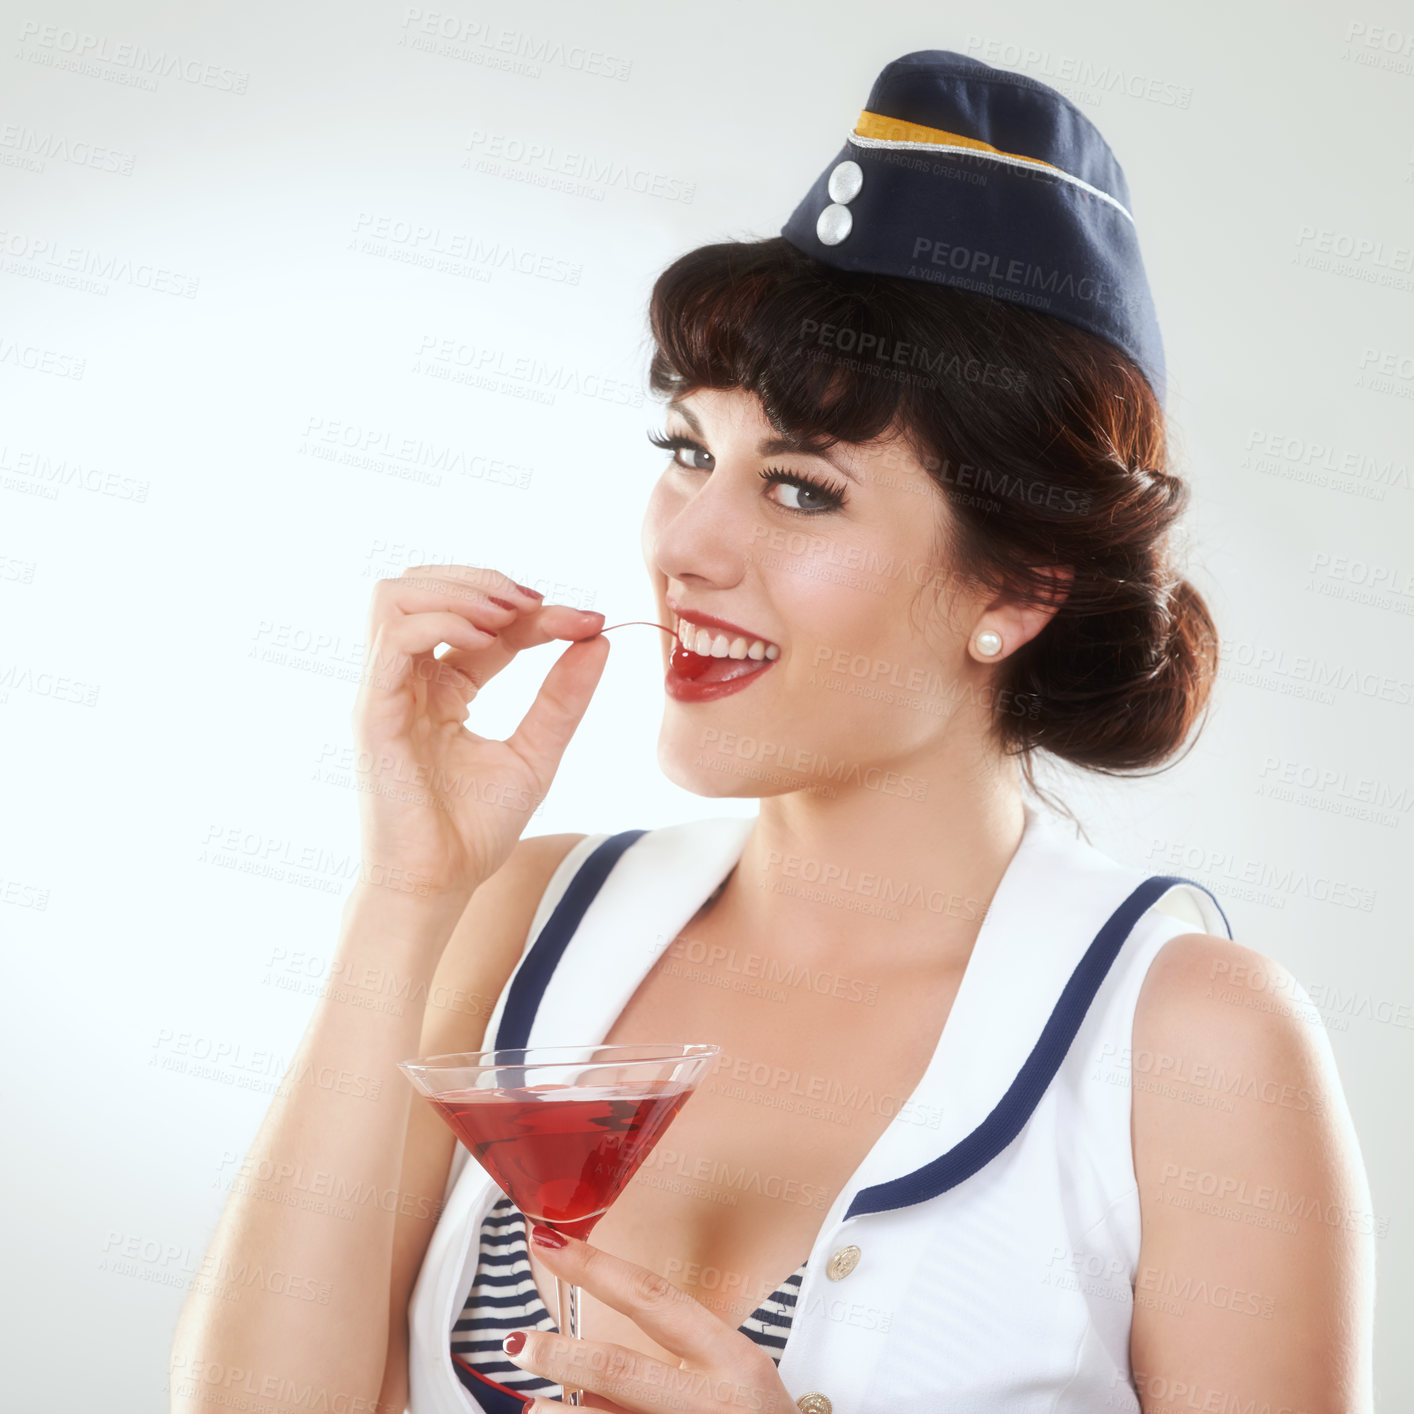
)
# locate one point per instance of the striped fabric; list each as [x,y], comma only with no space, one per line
[504,1298]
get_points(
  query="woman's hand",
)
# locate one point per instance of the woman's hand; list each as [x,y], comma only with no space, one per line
[437,802]
[719,1370]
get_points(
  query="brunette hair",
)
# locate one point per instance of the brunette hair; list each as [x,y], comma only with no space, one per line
[1047,442]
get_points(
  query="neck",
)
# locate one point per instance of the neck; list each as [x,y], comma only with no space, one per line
[869,871]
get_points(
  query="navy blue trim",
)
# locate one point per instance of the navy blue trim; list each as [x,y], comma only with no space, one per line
[1011,1112]
[493,1398]
[536,968]
[1226,923]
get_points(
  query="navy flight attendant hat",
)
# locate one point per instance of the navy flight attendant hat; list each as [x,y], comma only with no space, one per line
[962,174]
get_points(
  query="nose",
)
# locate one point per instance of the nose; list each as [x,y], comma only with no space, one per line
[703,536]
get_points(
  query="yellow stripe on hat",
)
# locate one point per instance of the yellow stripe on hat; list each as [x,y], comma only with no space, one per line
[879,130]
[885,129]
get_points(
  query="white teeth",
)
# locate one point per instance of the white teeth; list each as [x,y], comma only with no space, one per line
[702,641]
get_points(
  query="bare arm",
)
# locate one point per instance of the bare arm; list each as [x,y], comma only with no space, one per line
[1255,1286]
[351,1144]
[385,1160]
[291,1305]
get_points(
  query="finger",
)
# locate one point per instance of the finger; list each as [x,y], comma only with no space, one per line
[485,596]
[545,730]
[612,1373]
[514,626]
[528,631]
[481,577]
[422,593]
[402,641]
[460,583]
[657,1307]
[482,651]
[465,588]
[550,622]
[590,1401]
[416,596]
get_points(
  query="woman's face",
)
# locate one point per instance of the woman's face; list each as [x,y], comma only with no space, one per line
[862,672]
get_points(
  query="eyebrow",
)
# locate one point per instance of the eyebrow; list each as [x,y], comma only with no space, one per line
[771,446]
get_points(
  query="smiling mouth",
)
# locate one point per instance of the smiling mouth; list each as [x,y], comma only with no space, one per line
[711,657]
[698,642]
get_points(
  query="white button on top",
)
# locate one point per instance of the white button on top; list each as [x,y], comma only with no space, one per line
[845,181]
[833,224]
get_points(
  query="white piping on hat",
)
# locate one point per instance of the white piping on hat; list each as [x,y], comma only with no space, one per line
[992,157]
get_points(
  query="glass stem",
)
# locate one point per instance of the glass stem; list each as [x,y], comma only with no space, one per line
[567,1305]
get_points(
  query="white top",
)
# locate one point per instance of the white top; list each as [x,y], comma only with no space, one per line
[997,1215]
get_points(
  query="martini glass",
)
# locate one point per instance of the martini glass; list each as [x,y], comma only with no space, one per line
[562,1129]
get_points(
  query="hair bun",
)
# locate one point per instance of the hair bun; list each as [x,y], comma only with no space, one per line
[1122,690]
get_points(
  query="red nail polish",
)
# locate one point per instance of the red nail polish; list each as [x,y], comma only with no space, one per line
[546,1236]
[526,589]
[513,1342]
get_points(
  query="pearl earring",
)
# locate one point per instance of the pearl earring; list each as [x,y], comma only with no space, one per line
[988,644]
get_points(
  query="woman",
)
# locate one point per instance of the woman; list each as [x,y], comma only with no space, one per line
[998,1123]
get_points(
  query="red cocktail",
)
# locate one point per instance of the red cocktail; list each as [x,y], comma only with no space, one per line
[562,1152]
[562,1129]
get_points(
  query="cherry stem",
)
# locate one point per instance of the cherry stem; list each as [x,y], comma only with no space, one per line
[627,622]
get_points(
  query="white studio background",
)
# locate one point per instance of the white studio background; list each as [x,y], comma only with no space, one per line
[233,296]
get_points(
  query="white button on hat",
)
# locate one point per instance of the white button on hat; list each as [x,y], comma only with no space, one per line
[845,181]
[833,224]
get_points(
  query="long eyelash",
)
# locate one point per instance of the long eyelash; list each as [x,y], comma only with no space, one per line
[834,496]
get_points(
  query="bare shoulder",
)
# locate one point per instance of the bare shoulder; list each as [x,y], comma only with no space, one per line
[1210,1004]
[527,872]
[1255,1278]
[533,861]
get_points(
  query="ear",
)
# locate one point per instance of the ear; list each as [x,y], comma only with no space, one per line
[1016,622]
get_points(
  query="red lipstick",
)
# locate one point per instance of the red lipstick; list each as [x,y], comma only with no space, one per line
[696,677]
[693,678]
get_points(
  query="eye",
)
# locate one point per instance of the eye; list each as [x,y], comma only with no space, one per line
[683,444]
[826,496]
[813,496]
